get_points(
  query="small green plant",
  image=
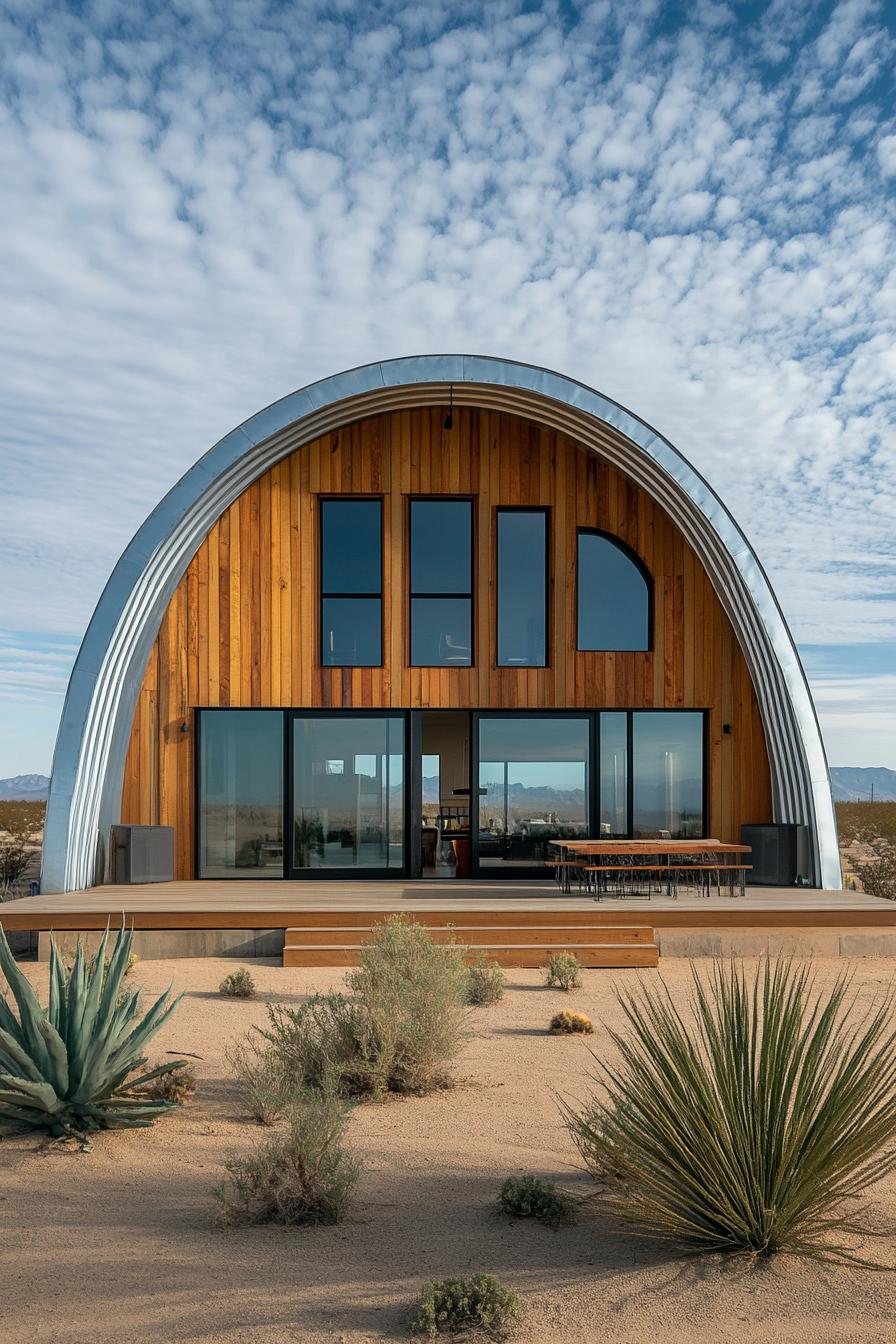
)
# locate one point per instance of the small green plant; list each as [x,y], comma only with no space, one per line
[750,1122]
[265,1086]
[530,1197]
[485,982]
[563,971]
[566,1023]
[176,1085]
[477,1304]
[239,984]
[300,1177]
[69,1069]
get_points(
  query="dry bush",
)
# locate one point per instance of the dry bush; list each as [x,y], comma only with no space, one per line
[239,984]
[485,982]
[478,1305]
[15,858]
[878,878]
[300,1177]
[22,818]
[563,971]
[569,1024]
[264,1084]
[531,1197]
[176,1085]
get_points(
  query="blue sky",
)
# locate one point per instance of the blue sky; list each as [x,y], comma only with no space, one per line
[690,208]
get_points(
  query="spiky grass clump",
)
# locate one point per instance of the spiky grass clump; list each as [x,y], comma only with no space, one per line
[485,982]
[747,1123]
[478,1304]
[68,1069]
[300,1177]
[563,971]
[176,1085]
[566,1023]
[239,984]
[530,1197]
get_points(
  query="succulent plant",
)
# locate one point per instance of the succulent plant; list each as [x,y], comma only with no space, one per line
[67,1069]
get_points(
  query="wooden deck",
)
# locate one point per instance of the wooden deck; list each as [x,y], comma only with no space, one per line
[281,905]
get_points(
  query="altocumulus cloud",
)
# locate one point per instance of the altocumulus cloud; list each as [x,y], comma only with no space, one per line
[209,204]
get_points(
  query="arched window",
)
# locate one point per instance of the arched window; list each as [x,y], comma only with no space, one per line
[614,596]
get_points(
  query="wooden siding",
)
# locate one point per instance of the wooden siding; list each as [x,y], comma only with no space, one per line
[242,627]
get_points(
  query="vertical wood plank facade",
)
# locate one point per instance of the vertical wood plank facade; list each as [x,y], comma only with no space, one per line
[241,629]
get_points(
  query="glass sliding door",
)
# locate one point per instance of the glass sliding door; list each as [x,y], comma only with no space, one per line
[534,787]
[240,786]
[667,774]
[613,784]
[348,793]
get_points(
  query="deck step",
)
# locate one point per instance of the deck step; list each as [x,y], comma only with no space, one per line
[591,954]
[497,932]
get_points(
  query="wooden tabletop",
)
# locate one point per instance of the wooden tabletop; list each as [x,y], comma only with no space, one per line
[591,847]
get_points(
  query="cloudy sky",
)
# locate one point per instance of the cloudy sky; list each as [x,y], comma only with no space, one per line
[209,203]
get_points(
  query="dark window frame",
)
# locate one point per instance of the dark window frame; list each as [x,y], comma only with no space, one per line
[324,594]
[197,712]
[413,594]
[548,612]
[645,573]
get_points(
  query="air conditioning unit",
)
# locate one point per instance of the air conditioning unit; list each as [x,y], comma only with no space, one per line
[141,854]
[781,856]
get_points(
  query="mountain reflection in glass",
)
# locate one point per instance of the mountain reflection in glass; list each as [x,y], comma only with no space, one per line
[522,581]
[348,792]
[240,811]
[534,773]
[667,768]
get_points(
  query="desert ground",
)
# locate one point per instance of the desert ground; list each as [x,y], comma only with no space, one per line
[119,1245]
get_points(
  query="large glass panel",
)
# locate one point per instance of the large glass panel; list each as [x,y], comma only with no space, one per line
[522,597]
[348,792]
[351,545]
[441,634]
[667,768]
[441,545]
[614,775]
[241,793]
[613,597]
[351,629]
[533,785]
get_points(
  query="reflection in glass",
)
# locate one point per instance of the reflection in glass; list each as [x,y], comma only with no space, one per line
[441,633]
[351,582]
[351,545]
[241,793]
[667,768]
[534,773]
[441,545]
[522,597]
[614,775]
[348,792]
[351,632]
[613,597]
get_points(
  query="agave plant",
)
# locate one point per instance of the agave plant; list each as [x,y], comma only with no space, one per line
[749,1122]
[68,1069]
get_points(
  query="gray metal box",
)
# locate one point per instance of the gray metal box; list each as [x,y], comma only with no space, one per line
[141,854]
[780,855]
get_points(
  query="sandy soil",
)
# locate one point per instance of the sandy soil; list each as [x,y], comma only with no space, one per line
[118,1244]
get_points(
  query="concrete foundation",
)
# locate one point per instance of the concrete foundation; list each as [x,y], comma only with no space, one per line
[170,944]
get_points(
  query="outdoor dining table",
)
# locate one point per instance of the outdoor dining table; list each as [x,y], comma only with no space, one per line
[594,860]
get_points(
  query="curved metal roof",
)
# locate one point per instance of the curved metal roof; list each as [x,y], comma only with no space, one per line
[88,764]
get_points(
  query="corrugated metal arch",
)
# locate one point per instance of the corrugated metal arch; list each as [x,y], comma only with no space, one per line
[88,764]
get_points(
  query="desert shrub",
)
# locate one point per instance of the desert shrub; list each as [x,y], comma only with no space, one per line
[265,1086]
[176,1085]
[239,984]
[69,1069]
[15,857]
[563,971]
[746,1123]
[530,1197]
[399,1030]
[878,878]
[301,1176]
[485,981]
[477,1304]
[22,818]
[566,1023]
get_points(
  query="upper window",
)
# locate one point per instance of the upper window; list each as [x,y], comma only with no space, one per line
[613,596]
[522,587]
[351,569]
[441,547]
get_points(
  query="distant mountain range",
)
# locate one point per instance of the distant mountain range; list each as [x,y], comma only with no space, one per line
[850,784]
[24,788]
